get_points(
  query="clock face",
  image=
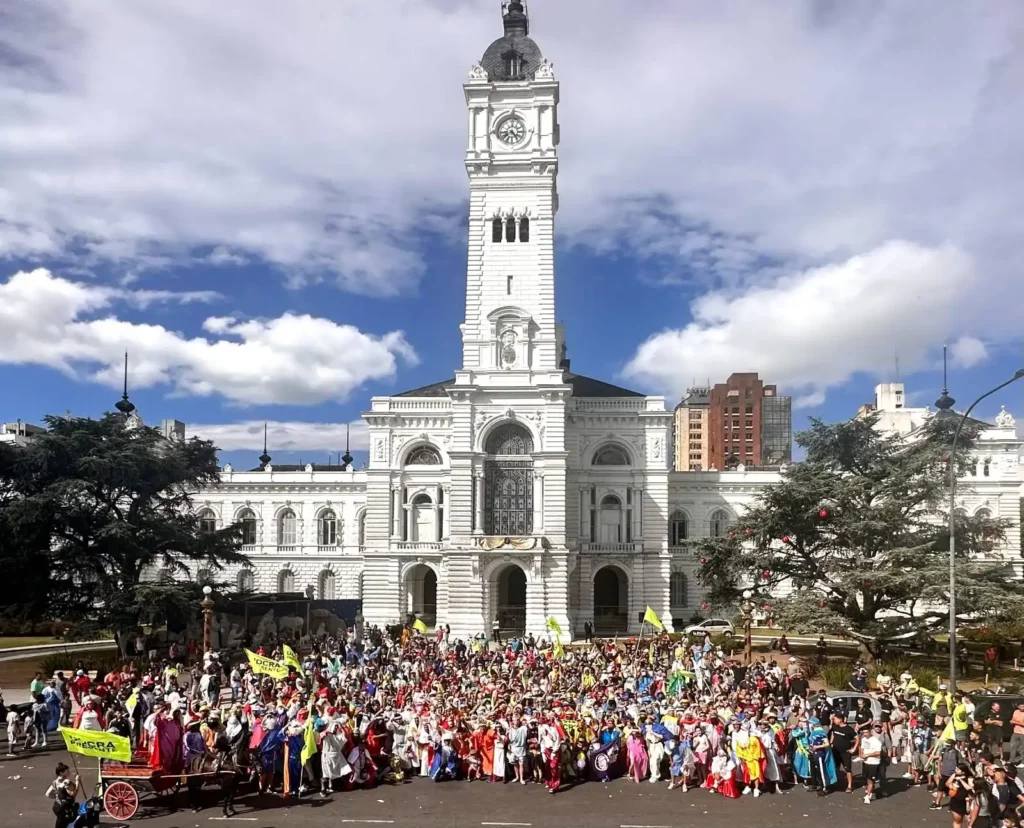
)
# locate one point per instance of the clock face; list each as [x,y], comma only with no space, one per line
[511,131]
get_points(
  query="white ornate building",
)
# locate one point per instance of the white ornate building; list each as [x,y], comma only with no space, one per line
[516,489]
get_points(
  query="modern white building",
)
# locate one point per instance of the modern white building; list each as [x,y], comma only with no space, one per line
[517,488]
[992,485]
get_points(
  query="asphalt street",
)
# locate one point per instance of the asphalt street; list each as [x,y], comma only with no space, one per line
[424,804]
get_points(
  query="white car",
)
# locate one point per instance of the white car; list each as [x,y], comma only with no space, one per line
[715,626]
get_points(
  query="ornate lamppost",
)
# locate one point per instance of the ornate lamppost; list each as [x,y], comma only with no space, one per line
[747,610]
[207,606]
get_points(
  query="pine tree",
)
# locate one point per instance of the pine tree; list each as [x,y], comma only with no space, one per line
[855,541]
[91,509]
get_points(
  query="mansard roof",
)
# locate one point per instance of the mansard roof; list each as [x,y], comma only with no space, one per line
[581,387]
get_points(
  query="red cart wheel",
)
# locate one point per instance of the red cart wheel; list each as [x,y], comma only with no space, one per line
[120,800]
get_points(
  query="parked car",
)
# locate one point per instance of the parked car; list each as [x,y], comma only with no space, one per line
[846,700]
[1007,705]
[714,626]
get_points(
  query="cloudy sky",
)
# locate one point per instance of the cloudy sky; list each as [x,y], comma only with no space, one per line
[264,202]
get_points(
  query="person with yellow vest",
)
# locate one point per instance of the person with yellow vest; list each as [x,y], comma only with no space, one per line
[961,725]
[942,704]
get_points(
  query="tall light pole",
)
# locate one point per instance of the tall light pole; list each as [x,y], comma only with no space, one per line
[207,606]
[747,609]
[952,523]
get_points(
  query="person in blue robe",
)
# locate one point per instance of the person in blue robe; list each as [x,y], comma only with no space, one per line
[271,751]
[802,752]
[823,763]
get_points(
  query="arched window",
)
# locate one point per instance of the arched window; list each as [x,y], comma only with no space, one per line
[203,576]
[678,528]
[510,229]
[611,456]
[719,523]
[987,466]
[246,581]
[286,581]
[678,589]
[509,439]
[286,528]
[421,519]
[361,521]
[513,65]
[424,456]
[207,521]
[327,529]
[248,520]
[610,520]
[508,482]
[524,229]
[326,585]
[497,230]
[974,468]
[983,514]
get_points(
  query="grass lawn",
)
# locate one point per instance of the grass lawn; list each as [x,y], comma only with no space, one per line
[27,640]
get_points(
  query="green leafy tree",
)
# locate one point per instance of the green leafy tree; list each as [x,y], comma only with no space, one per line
[854,540]
[91,510]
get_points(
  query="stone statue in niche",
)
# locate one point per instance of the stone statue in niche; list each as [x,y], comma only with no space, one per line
[508,348]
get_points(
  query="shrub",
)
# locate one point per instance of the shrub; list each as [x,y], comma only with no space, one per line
[727,642]
[102,661]
[836,674]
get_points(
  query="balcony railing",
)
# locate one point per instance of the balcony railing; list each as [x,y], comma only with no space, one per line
[286,547]
[417,546]
[328,548]
[616,548]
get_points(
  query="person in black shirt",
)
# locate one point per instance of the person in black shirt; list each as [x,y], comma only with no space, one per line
[845,742]
[798,686]
[863,718]
[960,787]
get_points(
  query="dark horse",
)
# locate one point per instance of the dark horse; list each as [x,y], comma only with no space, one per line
[227,768]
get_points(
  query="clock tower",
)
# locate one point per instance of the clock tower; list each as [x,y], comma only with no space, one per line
[510,335]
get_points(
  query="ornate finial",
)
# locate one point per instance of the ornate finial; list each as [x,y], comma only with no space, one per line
[945,402]
[264,458]
[1004,419]
[516,19]
[124,405]
[347,458]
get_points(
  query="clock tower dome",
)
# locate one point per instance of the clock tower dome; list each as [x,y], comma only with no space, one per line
[509,334]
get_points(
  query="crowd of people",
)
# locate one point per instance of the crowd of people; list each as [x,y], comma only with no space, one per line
[375,708]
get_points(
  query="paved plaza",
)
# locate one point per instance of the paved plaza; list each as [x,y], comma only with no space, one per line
[424,804]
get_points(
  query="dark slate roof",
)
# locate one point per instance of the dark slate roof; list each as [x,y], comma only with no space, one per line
[494,62]
[581,387]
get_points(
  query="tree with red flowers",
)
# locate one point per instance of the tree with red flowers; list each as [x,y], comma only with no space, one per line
[854,540]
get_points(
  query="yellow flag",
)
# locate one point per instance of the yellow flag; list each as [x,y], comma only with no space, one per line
[651,617]
[948,734]
[554,626]
[267,666]
[97,743]
[419,626]
[308,741]
[557,649]
[291,659]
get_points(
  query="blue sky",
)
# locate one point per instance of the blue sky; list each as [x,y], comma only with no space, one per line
[270,215]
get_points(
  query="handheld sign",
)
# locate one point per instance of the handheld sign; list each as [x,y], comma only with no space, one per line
[267,666]
[97,743]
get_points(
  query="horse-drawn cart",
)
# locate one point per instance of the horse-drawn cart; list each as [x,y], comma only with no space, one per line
[123,785]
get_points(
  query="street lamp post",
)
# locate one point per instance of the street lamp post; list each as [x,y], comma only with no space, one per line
[952,527]
[747,610]
[207,606]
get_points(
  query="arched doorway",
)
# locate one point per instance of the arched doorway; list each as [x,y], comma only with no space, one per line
[421,593]
[509,600]
[611,601]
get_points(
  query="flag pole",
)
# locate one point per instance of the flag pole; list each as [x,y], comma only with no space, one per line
[640,637]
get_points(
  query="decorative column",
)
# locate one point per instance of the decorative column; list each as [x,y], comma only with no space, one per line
[437,513]
[396,513]
[538,503]
[478,510]
[446,513]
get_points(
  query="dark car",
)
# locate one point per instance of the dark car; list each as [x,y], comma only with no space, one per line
[1007,704]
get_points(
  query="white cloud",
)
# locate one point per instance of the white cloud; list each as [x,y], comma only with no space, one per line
[282,436]
[812,330]
[968,351]
[715,139]
[291,360]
